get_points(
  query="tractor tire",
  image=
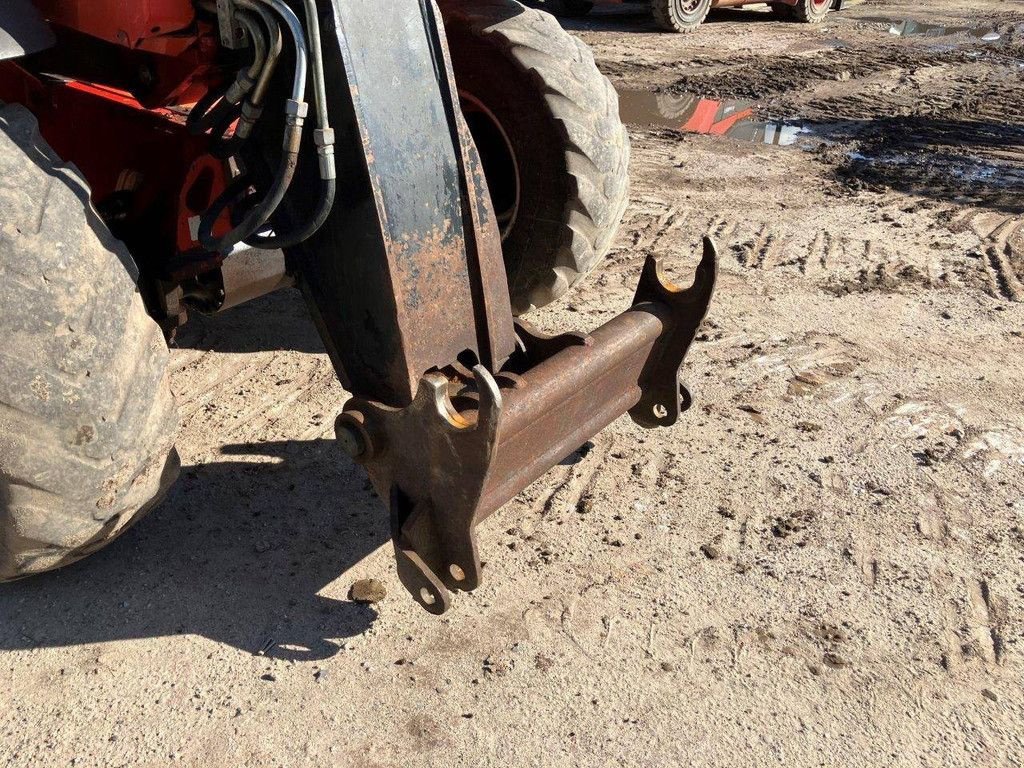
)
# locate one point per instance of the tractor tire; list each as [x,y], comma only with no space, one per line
[810,11]
[680,15]
[554,151]
[87,420]
[570,9]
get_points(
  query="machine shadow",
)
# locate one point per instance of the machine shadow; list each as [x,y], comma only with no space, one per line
[237,553]
[277,321]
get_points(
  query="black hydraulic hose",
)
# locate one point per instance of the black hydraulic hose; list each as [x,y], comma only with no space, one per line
[223,146]
[229,113]
[230,196]
[258,216]
[329,188]
[252,108]
[296,111]
[197,121]
[324,139]
[215,109]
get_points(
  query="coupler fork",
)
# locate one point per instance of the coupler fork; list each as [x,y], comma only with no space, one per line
[471,440]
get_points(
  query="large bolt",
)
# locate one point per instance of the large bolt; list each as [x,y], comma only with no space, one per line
[350,435]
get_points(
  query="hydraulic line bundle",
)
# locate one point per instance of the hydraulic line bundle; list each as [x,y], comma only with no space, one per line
[237,109]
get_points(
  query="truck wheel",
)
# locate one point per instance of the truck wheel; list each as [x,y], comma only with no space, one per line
[810,11]
[554,151]
[87,419]
[680,15]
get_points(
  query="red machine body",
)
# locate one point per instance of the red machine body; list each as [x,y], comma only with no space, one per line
[160,26]
[113,102]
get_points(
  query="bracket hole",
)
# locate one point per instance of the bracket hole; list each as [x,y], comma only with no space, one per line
[427,596]
[659,411]
[457,573]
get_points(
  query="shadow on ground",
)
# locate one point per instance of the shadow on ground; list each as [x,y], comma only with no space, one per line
[237,553]
[277,321]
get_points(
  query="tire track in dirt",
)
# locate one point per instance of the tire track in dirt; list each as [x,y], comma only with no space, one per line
[984,621]
[1002,263]
[1004,255]
[762,77]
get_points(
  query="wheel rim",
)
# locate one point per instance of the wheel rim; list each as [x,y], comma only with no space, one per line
[498,157]
[689,7]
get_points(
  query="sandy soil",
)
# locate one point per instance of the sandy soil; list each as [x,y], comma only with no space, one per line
[823,564]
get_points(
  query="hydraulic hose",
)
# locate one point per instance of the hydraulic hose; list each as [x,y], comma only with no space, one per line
[219,109]
[324,140]
[296,111]
[275,42]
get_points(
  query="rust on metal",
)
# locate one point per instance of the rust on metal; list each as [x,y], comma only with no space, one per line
[466,445]
[408,275]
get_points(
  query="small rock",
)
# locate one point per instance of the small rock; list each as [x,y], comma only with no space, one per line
[711,552]
[268,677]
[990,695]
[668,666]
[367,591]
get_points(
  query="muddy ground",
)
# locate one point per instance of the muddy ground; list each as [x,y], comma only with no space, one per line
[822,564]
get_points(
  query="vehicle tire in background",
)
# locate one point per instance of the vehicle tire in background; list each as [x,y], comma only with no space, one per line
[810,11]
[554,150]
[680,15]
[87,420]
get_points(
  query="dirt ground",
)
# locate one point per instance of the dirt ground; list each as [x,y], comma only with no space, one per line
[822,564]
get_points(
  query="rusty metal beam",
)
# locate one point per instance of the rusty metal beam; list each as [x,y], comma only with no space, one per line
[468,444]
[406,275]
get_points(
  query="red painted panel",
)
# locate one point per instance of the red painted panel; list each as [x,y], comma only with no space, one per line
[127,22]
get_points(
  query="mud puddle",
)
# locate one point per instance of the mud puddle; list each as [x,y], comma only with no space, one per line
[964,171]
[911,28]
[735,119]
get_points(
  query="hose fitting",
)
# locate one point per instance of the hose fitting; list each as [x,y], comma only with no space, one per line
[251,114]
[324,140]
[240,88]
[295,118]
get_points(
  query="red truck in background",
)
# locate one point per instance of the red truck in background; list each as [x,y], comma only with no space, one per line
[687,15]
